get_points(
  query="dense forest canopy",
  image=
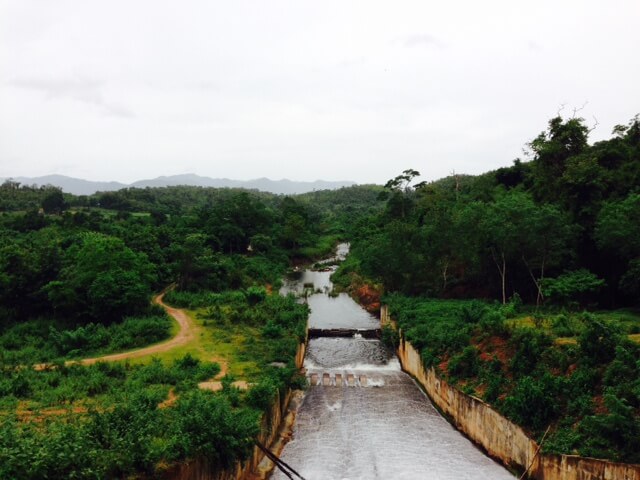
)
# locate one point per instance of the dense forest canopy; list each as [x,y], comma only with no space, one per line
[560,228]
[94,258]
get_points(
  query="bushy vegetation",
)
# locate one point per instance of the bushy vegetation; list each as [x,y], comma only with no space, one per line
[586,389]
[262,328]
[76,279]
[112,423]
[38,340]
[110,419]
[98,260]
[560,231]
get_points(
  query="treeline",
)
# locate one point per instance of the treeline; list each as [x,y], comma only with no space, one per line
[98,266]
[562,228]
[542,241]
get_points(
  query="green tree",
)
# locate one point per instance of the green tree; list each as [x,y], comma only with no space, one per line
[54,202]
[618,226]
[399,192]
[504,225]
[548,233]
[552,149]
[103,279]
[572,286]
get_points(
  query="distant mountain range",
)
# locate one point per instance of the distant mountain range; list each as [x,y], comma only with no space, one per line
[78,186]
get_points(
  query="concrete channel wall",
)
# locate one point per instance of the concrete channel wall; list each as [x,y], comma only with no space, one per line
[498,436]
[201,469]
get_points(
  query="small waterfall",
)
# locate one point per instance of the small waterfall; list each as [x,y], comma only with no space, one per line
[362,417]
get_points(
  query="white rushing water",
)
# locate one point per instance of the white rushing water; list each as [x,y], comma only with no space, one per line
[364,419]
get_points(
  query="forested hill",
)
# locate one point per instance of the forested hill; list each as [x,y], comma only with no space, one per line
[77,186]
[563,227]
[198,237]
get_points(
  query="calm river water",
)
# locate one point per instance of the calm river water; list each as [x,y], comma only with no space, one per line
[362,417]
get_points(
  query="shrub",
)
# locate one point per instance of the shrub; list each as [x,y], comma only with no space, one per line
[512,307]
[493,323]
[564,326]
[572,286]
[473,312]
[598,341]
[271,330]
[533,402]
[615,435]
[495,386]
[529,346]
[262,395]
[464,364]
[390,337]
[256,295]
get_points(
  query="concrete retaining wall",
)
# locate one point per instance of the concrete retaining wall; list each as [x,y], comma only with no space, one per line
[498,436]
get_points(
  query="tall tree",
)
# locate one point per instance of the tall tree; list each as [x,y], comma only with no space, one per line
[563,139]
[504,225]
[399,191]
[102,279]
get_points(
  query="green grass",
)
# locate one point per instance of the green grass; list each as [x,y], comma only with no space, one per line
[213,343]
[228,330]
[627,320]
[201,346]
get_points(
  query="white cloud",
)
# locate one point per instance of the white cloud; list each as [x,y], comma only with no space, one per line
[358,90]
[79,89]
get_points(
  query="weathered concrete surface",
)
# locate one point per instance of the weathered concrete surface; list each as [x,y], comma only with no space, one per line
[580,468]
[201,469]
[501,438]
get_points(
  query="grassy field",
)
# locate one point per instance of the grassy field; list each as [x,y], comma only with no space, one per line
[214,342]
[566,326]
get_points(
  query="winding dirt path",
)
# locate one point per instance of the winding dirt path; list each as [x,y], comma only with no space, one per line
[185,335]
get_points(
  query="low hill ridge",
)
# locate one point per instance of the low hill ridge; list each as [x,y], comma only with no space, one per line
[79,186]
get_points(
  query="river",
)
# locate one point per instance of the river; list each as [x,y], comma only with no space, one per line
[362,417]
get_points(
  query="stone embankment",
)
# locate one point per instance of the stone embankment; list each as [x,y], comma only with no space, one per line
[498,436]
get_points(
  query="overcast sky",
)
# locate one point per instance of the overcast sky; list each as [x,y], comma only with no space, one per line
[124,90]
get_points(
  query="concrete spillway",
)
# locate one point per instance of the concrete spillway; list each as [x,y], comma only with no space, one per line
[362,417]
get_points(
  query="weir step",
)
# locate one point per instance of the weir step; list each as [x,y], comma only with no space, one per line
[338,380]
[373,333]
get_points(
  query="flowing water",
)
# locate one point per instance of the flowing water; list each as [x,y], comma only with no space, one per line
[362,417]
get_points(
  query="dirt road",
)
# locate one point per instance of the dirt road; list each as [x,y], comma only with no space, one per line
[185,335]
